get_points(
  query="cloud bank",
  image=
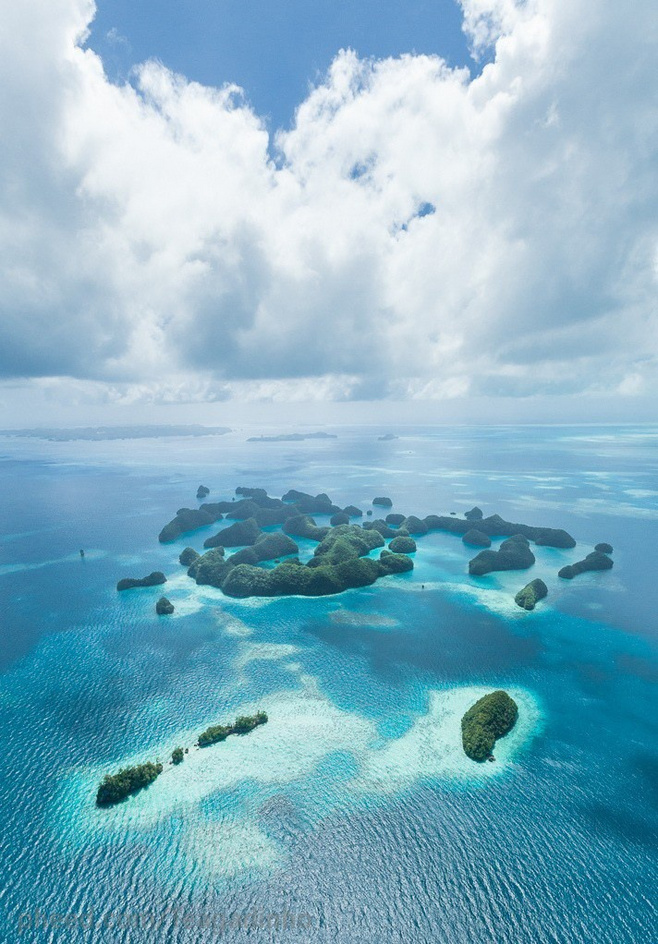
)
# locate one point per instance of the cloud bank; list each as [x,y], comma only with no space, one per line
[417,234]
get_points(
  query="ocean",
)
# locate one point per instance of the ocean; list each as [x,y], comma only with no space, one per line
[352,816]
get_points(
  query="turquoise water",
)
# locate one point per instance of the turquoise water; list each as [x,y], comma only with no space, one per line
[354,809]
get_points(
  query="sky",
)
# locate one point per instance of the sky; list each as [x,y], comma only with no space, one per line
[431,211]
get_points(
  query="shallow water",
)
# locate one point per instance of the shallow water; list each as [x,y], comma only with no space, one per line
[354,809]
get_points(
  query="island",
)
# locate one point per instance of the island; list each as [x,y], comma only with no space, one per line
[116,787]
[476,538]
[292,437]
[152,580]
[263,528]
[531,594]
[604,548]
[490,718]
[109,433]
[594,561]
[188,556]
[513,554]
[239,534]
[402,544]
[164,607]
[177,755]
[202,491]
[242,725]
[387,437]
[187,519]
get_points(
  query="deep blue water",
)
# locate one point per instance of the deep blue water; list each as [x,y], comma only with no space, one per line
[349,809]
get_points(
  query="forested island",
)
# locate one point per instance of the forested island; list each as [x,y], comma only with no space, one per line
[532,593]
[242,725]
[116,787]
[130,780]
[344,557]
[490,718]
[152,580]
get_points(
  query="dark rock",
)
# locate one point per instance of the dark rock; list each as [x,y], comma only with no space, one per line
[531,594]
[603,548]
[594,561]
[369,511]
[353,511]
[513,554]
[153,579]
[475,514]
[476,539]
[202,491]
[383,502]
[164,607]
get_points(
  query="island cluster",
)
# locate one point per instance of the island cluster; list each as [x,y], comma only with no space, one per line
[350,552]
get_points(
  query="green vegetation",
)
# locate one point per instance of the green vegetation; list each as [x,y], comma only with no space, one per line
[153,580]
[240,534]
[513,554]
[604,548]
[187,519]
[177,755]
[402,544]
[129,780]
[210,568]
[267,547]
[414,525]
[490,718]
[303,526]
[383,502]
[531,594]
[241,725]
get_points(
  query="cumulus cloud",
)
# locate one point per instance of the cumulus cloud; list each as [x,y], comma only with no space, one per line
[156,240]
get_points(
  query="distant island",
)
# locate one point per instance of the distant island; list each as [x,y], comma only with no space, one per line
[292,437]
[490,718]
[387,437]
[104,433]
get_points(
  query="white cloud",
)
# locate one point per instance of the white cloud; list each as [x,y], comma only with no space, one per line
[150,242]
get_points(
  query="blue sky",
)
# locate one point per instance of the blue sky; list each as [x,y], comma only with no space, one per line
[156,258]
[272,50]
